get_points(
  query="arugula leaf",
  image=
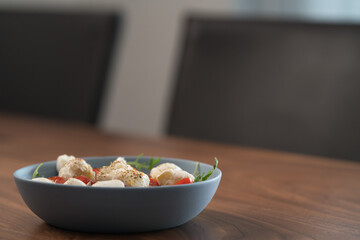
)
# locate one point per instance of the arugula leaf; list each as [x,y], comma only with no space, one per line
[196,171]
[202,177]
[139,165]
[136,164]
[36,173]
[153,162]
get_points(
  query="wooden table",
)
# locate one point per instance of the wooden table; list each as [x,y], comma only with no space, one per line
[262,195]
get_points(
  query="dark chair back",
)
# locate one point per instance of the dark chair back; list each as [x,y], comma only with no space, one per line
[284,85]
[55,64]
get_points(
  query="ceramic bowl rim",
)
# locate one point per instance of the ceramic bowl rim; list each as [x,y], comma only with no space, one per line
[18,176]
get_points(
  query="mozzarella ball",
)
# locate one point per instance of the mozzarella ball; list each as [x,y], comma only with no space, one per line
[110,183]
[108,172]
[77,167]
[62,160]
[171,176]
[74,181]
[42,179]
[132,178]
[156,171]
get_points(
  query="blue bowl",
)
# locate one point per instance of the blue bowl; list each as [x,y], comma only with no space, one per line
[114,210]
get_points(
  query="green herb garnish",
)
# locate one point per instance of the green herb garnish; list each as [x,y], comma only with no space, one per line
[139,165]
[202,177]
[36,173]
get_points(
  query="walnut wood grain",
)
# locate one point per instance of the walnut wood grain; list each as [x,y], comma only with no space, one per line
[262,195]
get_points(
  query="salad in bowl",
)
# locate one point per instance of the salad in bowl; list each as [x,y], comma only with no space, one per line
[120,173]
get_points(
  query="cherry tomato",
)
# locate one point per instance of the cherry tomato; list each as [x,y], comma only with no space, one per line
[153,182]
[85,180]
[184,181]
[96,171]
[57,179]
